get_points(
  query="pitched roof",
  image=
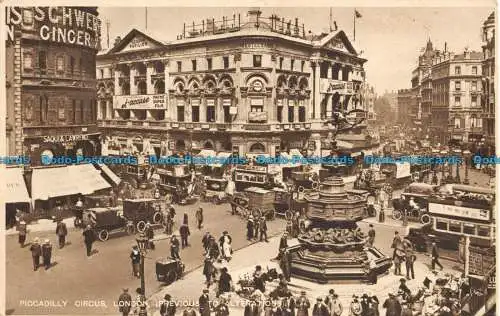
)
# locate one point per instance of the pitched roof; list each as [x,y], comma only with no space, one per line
[133,33]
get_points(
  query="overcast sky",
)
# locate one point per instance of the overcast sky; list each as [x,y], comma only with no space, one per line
[391,37]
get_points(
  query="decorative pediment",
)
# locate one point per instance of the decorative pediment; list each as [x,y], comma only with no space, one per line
[338,41]
[136,41]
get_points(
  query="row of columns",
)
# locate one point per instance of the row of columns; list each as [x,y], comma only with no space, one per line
[149,73]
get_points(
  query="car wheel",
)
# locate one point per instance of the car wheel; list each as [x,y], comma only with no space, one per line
[141,226]
[397,215]
[103,235]
[157,217]
[171,277]
[425,219]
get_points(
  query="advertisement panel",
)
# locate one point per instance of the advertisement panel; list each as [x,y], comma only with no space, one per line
[460,211]
[140,102]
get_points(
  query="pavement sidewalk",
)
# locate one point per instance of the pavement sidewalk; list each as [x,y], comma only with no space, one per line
[42,225]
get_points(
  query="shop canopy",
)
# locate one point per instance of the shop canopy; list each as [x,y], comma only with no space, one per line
[110,174]
[50,182]
[14,190]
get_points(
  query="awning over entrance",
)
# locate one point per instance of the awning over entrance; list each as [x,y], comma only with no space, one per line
[67,180]
[110,174]
[14,190]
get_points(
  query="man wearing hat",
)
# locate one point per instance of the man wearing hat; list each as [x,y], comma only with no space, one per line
[184,232]
[409,258]
[199,217]
[283,244]
[320,308]
[125,303]
[189,311]
[435,257]
[135,256]
[303,305]
[204,303]
[404,288]
[150,235]
[167,307]
[250,228]
[174,248]
[288,305]
[89,238]
[392,306]
[221,309]
[61,232]
[46,253]
[263,229]
[333,303]
[355,309]
[22,229]
[36,252]
[371,236]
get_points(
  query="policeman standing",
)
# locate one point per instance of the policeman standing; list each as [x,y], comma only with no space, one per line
[46,253]
[61,232]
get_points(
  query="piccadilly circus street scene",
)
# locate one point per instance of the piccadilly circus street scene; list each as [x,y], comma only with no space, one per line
[256,161]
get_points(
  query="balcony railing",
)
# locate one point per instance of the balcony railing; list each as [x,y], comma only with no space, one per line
[255,117]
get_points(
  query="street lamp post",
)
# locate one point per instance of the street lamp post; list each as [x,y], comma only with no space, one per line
[457,178]
[443,167]
[467,154]
[142,243]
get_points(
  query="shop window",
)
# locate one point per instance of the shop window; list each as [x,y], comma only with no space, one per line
[279,109]
[209,63]
[257,60]
[483,231]
[28,61]
[441,225]
[42,62]
[180,111]
[469,229]
[225,60]
[193,62]
[195,110]
[211,111]
[179,66]
[323,70]
[60,63]
[455,227]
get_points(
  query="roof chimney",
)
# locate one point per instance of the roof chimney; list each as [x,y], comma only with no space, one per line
[253,15]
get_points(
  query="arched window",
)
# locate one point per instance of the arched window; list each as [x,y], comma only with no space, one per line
[257,148]
[304,84]
[292,83]
[159,87]
[208,145]
[142,88]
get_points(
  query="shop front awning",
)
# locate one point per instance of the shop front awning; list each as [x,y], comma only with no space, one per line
[14,190]
[110,174]
[53,182]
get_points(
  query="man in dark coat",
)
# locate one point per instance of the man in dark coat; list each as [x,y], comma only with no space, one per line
[263,229]
[320,308]
[392,306]
[285,262]
[250,228]
[222,309]
[61,232]
[174,248]
[283,244]
[208,269]
[46,253]
[435,257]
[199,217]
[303,305]
[184,232]
[205,241]
[288,306]
[224,281]
[23,230]
[125,303]
[167,307]
[204,303]
[89,238]
[150,235]
[36,252]
[371,236]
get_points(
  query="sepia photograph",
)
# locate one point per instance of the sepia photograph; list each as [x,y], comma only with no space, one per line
[249,160]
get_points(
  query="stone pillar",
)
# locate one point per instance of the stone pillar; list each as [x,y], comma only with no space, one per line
[203,110]
[99,111]
[329,74]
[296,111]
[316,92]
[118,89]
[149,72]
[341,72]
[219,111]
[273,118]
[133,87]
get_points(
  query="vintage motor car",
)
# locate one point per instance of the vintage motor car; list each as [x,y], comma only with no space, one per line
[107,220]
[215,190]
[141,211]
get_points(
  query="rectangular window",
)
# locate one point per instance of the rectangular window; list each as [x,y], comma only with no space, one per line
[302,113]
[257,60]
[74,111]
[279,109]
[193,62]
[28,61]
[209,63]
[291,112]
[457,101]
[292,62]
[281,62]
[211,111]
[473,85]
[226,104]
[72,64]
[474,70]
[82,112]
[42,62]
[195,110]
[60,63]
[179,66]
[457,70]
[473,101]
[458,85]
[302,64]
[457,122]
[225,60]
[256,105]
[180,111]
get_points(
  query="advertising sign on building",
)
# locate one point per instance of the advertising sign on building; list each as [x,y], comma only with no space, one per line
[331,86]
[459,211]
[402,170]
[140,102]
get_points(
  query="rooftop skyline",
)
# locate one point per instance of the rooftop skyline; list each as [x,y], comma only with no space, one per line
[391,38]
